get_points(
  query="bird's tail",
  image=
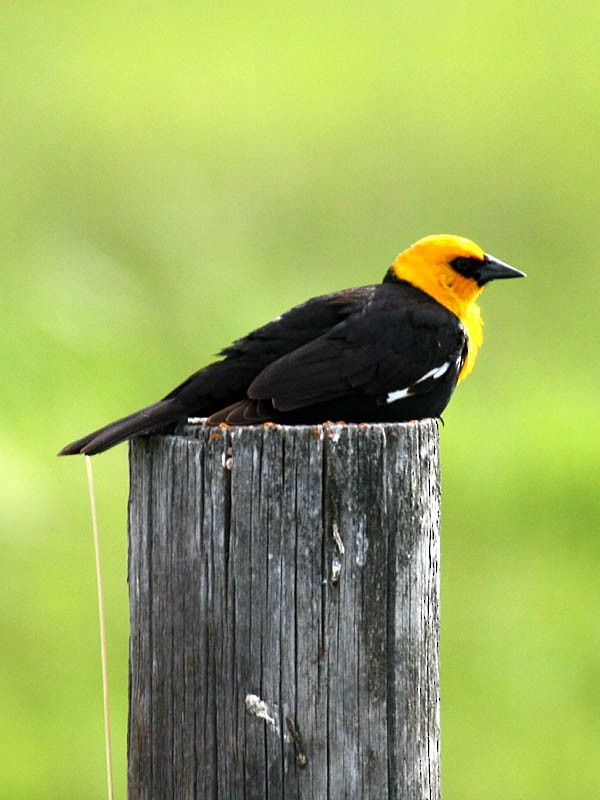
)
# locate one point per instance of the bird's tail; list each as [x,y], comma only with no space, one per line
[147,419]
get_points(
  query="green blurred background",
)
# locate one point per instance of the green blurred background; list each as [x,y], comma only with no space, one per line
[174,174]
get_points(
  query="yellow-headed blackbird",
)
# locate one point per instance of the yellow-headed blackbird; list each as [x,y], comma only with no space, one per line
[392,352]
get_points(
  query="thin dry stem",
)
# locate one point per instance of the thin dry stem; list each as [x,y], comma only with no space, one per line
[109,771]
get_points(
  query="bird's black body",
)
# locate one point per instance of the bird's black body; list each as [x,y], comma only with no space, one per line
[339,356]
[386,353]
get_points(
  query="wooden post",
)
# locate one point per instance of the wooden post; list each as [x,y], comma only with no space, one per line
[284,591]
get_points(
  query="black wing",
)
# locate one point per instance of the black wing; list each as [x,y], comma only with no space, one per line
[228,380]
[402,341]
[225,382]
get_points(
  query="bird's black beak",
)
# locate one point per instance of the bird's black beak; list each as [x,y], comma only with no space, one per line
[492,269]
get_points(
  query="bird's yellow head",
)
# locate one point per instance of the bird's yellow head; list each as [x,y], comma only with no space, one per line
[451,269]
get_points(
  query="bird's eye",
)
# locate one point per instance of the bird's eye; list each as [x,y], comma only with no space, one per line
[469,267]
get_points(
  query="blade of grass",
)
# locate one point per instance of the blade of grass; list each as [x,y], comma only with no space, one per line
[109,771]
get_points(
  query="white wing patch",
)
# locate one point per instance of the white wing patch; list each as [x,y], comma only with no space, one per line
[397,395]
[434,373]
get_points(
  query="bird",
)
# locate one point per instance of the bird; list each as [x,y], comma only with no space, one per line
[389,352]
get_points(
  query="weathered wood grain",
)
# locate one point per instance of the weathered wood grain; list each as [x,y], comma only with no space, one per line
[284,592]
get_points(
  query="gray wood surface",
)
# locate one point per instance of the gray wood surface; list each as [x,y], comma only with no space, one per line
[284,594]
